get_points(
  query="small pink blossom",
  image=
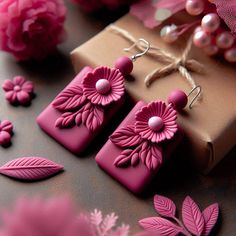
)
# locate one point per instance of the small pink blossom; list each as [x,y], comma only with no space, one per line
[164,125]
[6,128]
[103,86]
[18,90]
[31,29]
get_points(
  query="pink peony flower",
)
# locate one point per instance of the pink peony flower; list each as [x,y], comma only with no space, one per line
[156,122]
[18,90]
[31,28]
[103,86]
[94,5]
[57,217]
[6,128]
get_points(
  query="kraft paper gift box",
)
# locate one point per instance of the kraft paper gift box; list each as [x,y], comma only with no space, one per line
[210,126]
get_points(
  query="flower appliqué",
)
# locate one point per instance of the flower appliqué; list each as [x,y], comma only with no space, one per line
[18,90]
[85,103]
[6,128]
[154,124]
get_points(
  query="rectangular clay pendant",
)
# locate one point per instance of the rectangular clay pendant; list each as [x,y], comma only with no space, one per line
[75,136]
[134,166]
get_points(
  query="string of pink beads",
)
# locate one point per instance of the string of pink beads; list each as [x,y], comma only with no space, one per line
[211,35]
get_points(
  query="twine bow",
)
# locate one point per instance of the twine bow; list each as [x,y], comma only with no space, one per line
[181,64]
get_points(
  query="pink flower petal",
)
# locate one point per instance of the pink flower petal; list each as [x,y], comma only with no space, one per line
[11,96]
[18,80]
[23,97]
[7,126]
[7,85]
[28,87]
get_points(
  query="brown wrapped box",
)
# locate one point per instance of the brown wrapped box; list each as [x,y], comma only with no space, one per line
[210,127]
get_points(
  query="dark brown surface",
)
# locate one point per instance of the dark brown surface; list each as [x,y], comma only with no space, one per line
[87,184]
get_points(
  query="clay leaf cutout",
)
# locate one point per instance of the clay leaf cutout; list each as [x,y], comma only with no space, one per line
[160,226]
[94,117]
[70,99]
[151,155]
[164,206]
[67,119]
[30,168]
[192,216]
[210,215]
[126,137]
[126,158]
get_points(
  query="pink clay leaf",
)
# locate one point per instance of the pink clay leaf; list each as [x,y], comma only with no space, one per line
[151,155]
[210,215]
[70,98]
[67,119]
[192,216]
[126,137]
[160,226]
[30,168]
[164,206]
[94,117]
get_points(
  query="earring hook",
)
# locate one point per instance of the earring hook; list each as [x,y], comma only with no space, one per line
[141,40]
[196,96]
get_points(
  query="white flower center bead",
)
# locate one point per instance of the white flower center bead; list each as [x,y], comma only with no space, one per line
[155,123]
[103,86]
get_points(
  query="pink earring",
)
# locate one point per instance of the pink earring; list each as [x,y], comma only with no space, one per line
[144,140]
[87,104]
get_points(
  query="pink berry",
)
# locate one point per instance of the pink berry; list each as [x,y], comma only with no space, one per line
[194,7]
[124,64]
[169,34]
[178,98]
[210,22]
[201,39]
[230,55]
[5,138]
[224,40]
[155,123]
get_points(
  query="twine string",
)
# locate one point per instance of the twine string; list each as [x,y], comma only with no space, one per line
[181,64]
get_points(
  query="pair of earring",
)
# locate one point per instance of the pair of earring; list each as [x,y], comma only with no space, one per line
[146,138]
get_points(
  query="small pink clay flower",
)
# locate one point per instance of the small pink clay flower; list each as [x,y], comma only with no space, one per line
[6,128]
[18,90]
[31,29]
[104,85]
[156,122]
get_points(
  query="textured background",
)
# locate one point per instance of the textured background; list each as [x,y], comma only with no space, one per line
[87,184]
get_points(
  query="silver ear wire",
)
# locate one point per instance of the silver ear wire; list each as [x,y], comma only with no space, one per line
[141,40]
[196,96]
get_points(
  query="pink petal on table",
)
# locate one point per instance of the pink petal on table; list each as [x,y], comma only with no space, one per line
[30,168]
[7,126]
[164,206]
[7,85]
[5,138]
[192,216]
[23,97]
[210,215]
[28,87]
